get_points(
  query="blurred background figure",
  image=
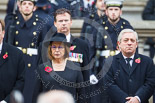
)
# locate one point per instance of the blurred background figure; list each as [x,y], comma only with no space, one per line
[43,11]
[55,96]
[149,14]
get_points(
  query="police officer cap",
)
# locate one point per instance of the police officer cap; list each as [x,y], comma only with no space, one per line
[114,3]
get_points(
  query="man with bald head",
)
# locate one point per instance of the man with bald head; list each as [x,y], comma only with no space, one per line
[56,96]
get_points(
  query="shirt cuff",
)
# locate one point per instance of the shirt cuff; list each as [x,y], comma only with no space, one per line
[3,101]
[138,99]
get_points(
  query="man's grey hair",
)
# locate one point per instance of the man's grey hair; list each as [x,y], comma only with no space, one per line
[56,96]
[127,31]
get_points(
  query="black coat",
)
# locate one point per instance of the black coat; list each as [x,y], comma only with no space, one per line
[11,71]
[121,83]
[59,80]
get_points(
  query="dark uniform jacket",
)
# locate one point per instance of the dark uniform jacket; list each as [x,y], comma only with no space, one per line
[122,82]
[11,71]
[149,11]
[27,34]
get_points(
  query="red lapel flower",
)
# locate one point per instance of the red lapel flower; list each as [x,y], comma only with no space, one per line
[5,55]
[138,60]
[72,47]
[48,69]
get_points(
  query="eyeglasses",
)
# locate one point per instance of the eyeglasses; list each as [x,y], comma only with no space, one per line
[59,47]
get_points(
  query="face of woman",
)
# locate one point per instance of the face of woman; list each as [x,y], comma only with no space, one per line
[58,50]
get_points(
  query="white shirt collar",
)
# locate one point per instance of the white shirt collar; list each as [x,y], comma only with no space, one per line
[86,2]
[131,61]
[68,37]
[130,57]
[1,47]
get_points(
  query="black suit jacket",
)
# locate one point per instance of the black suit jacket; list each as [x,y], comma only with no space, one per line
[82,48]
[140,81]
[11,71]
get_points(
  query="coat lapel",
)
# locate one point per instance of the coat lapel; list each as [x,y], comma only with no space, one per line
[4,50]
[134,64]
[123,63]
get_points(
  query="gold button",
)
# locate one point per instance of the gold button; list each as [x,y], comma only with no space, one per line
[30,54]
[24,50]
[112,53]
[17,22]
[29,65]
[105,46]
[17,32]
[92,15]
[34,33]
[106,28]
[123,22]
[105,37]
[106,56]
[32,44]
[37,19]
[16,17]
[34,23]
[122,27]
[103,22]
[16,42]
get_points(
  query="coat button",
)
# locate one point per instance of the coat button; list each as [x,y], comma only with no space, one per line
[24,50]
[34,33]
[103,22]
[29,65]
[32,44]
[105,46]
[16,43]
[105,37]
[17,22]
[34,23]
[16,17]
[106,28]
[17,32]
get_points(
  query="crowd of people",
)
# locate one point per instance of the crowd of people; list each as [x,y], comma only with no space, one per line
[42,59]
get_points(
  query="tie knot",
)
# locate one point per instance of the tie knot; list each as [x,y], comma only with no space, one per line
[128,59]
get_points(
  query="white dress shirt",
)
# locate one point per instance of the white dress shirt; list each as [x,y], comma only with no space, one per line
[68,37]
[1,47]
[86,2]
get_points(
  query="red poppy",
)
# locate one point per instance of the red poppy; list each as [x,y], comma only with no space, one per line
[72,47]
[48,69]
[5,55]
[137,60]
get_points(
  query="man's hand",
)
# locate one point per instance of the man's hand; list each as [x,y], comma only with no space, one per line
[132,100]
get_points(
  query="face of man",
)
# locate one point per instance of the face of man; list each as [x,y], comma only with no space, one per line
[1,33]
[128,44]
[27,8]
[63,23]
[100,5]
[113,13]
